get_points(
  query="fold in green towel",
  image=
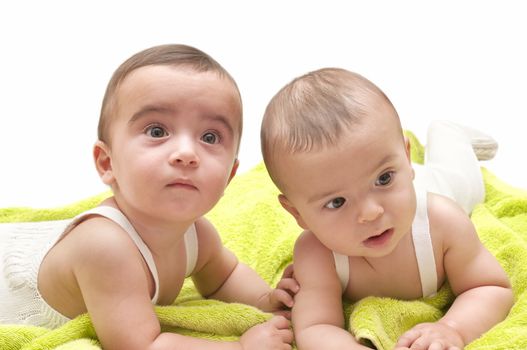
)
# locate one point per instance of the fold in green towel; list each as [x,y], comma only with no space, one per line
[262,234]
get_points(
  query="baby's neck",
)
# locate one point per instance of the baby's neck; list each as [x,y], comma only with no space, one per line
[156,233]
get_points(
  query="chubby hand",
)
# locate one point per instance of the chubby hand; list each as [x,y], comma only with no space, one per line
[273,334]
[431,336]
[281,300]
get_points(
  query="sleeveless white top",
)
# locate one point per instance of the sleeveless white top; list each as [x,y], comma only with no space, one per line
[23,246]
[424,251]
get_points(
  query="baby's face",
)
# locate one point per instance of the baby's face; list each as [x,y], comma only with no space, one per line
[173,141]
[357,198]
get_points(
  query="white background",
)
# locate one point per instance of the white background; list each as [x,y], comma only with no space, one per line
[459,60]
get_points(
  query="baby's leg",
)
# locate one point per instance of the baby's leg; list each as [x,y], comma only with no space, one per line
[451,164]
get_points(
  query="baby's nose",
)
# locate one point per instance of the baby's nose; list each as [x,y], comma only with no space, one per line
[184,154]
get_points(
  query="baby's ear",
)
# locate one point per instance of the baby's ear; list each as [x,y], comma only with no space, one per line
[234,169]
[408,147]
[287,205]
[103,162]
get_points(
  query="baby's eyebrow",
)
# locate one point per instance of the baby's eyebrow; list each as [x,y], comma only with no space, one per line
[223,120]
[150,109]
[386,159]
[319,196]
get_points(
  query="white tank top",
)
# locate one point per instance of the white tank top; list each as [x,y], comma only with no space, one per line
[424,251]
[24,246]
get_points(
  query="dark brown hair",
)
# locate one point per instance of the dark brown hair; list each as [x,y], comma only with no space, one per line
[170,55]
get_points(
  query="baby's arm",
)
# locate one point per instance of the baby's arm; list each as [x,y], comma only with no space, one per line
[318,319]
[483,292]
[221,276]
[112,277]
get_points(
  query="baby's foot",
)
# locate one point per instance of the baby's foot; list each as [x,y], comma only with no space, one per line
[484,146]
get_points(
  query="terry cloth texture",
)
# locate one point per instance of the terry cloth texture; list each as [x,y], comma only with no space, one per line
[253,224]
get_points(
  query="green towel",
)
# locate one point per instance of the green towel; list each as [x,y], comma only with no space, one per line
[252,224]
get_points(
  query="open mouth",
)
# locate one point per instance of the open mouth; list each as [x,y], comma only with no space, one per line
[379,240]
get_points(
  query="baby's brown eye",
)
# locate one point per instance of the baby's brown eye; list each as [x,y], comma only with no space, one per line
[156,132]
[210,137]
[384,179]
[335,203]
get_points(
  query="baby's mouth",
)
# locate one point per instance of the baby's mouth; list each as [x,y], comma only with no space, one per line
[182,184]
[380,239]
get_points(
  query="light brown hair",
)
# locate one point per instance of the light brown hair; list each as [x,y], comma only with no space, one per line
[314,110]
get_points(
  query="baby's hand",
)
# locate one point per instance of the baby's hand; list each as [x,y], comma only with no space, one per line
[273,334]
[281,299]
[431,336]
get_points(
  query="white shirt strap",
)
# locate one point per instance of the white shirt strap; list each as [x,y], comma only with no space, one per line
[343,269]
[424,250]
[191,248]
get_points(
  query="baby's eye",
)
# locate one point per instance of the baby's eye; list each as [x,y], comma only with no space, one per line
[156,131]
[210,137]
[385,179]
[335,203]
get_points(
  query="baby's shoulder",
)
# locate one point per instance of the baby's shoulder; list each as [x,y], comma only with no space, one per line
[209,240]
[98,238]
[441,208]
[95,248]
[206,232]
[314,263]
[309,245]
[307,240]
[446,218]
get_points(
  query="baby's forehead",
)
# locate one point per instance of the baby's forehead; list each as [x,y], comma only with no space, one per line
[362,149]
[183,70]
[166,87]
[181,80]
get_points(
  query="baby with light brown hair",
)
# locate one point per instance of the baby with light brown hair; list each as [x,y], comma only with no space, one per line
[334,146]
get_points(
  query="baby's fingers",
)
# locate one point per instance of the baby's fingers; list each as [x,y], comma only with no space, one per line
[289,272]
[283,330]
[437,345]
[280,322]
[413,340]
[289,284]
[284,313]
[287,335]
[407,339]
[280,296]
